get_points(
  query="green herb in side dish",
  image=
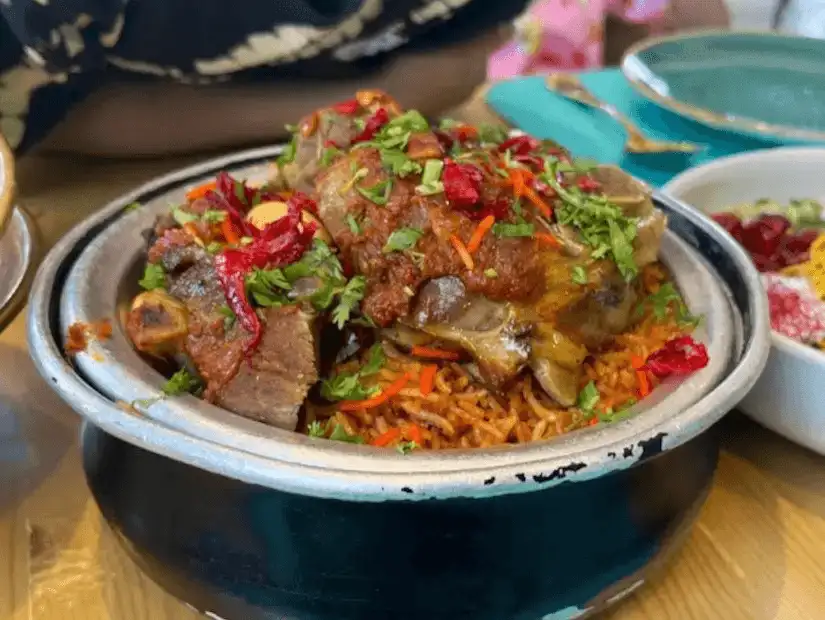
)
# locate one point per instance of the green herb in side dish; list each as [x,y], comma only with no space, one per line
[402,239]
[379,193]
[154,277]
[214,247]
[406,447]
[578,275]
[339,433]
[182,382]
[492,134]
[133,207]
[348,386]
[329,154]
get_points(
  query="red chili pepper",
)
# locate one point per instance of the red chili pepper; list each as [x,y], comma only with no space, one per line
[445,139]
[331,144]
[679,356]
[302,202]
[462,184]
[519,145]
[373,126]
[349,107]
[282,242]
[534,161]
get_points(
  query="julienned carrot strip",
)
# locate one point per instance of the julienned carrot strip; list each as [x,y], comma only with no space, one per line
[636,362]
[376,401]
[414,433]
[644,383]
[201,190]
[548,239]
[435,354]
[229,232]
[542,206]
[428,379]
[478,235]
[463,254]
[192,230]
[385,439]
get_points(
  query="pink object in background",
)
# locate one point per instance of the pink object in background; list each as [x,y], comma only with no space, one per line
[565,34]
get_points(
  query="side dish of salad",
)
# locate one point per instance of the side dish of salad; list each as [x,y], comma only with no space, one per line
[787,245]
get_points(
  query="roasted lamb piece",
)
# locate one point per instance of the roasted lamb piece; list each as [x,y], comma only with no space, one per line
[272,385]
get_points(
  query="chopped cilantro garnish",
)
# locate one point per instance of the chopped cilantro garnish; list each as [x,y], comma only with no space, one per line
[354,227]
[267,287]
[154,277]
[349,298]
[491,273]
[398,163]
[378,193]
[520,228]
[214,216]
[448,123]
[214,247]
[339,433]
[329,154]
[406,447]
[183,217]
[348,386]
[316,429]
[588,398]
[430,190]
[229,317]
[666,297]
[182,382]
[402,239]
[601,224]
[432,171]
[132,207]
[288,154]
[578,275]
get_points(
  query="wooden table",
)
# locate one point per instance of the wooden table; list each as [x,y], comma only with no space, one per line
[756,553]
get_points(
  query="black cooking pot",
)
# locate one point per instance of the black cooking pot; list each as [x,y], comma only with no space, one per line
[246,521]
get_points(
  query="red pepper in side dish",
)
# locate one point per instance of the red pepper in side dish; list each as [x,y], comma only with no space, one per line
[373,126]
[462,184]
[680,356]
[281,243]
[519,145]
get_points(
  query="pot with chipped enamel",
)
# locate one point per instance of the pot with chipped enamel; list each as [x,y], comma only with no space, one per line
[246,521]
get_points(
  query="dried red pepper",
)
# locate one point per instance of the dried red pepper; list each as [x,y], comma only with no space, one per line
[679,356]
[373,126]
[519,145]
[462,184]
[588,184]
[281,243]
[350,107]
[302,202]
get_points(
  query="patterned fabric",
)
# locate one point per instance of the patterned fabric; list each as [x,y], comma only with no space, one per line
[53,53]
[566,34]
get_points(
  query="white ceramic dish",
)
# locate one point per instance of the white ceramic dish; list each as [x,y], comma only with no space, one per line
[789,398]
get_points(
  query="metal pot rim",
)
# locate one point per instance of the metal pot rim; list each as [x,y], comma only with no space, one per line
[585,456]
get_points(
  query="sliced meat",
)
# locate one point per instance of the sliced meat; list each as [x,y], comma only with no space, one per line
[649,237]
[157,323]
[272,387]
[556,362]
[623,190]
